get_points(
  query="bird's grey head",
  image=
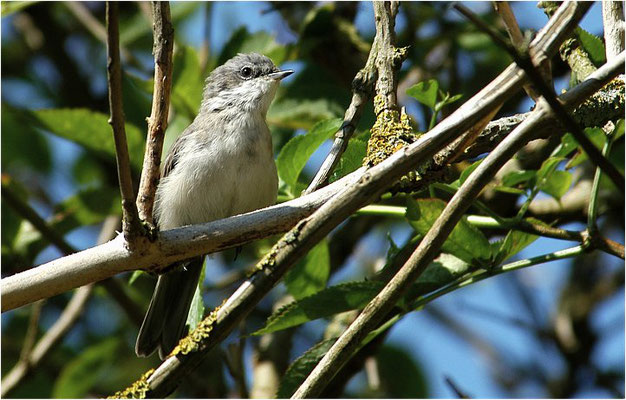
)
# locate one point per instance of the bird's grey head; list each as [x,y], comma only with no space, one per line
[245,83]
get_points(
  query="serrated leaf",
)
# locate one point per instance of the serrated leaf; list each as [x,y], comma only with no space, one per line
[351,159]
[425,92]
[327,302]
[465,241]
[593,46]
[596,136]
[79,375]
[513,243]
[443,270]
[514,178]
[298,150]
[260,42]
[557,184]
[91,130]
[187,81]
[301,368]
[310,275]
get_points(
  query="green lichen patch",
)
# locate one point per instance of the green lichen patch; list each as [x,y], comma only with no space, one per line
[137,390]
[391,132]
[605,105]
[193,341]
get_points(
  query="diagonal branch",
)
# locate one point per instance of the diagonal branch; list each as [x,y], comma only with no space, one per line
[524,62]
[157,123]
[130,222]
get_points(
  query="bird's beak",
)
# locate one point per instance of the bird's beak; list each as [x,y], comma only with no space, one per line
[280,74]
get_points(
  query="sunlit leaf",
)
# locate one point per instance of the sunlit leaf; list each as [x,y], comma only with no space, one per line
[593,46]
[295,154]
[351,159]
[557,184]
[311,273]
[425,92]
[465,242]
[325,303]
[91,130]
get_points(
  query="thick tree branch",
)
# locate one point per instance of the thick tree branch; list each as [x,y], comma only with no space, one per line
[157,123]
[109,259]
[613,21]
[130,223]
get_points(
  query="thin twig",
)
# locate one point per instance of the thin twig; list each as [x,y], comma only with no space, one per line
[130,223]
[31,331]
[163,47]
[524,62]
[455,388]
[362,87]
[93,25]
[503,8]
[54,335]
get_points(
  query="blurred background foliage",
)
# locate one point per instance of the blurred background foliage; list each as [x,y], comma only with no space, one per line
[499,338]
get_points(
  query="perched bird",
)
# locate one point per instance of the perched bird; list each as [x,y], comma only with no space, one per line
[221,165]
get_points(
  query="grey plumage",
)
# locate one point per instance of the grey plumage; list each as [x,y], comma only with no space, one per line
[221,165]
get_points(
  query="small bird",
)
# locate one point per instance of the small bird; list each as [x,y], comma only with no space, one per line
[221,165]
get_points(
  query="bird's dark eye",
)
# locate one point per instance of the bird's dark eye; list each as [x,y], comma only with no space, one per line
[246,72]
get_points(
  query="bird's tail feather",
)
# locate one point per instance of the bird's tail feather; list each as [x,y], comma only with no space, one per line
[164,323]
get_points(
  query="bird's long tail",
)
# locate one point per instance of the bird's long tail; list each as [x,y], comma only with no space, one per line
[164,323]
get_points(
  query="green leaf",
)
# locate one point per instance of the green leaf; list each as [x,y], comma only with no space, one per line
[136,274]
[557,184]
[22,146]
[82,373]
[568,144]
[514,178]
[301,368]
[425,92]
[593,46]
[91,130]
[311,96]
[351,159]
[443,270]
[187,81]
[260,42]
[468,171]
[465,242]
[296,152]
[505,189]
[310,275]
[196,311]
[597,137]
[327,302]
[513,243]
[400,375]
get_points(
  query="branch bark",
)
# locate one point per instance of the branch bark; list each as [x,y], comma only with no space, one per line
[130,223]
[163,33]
[613,19]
